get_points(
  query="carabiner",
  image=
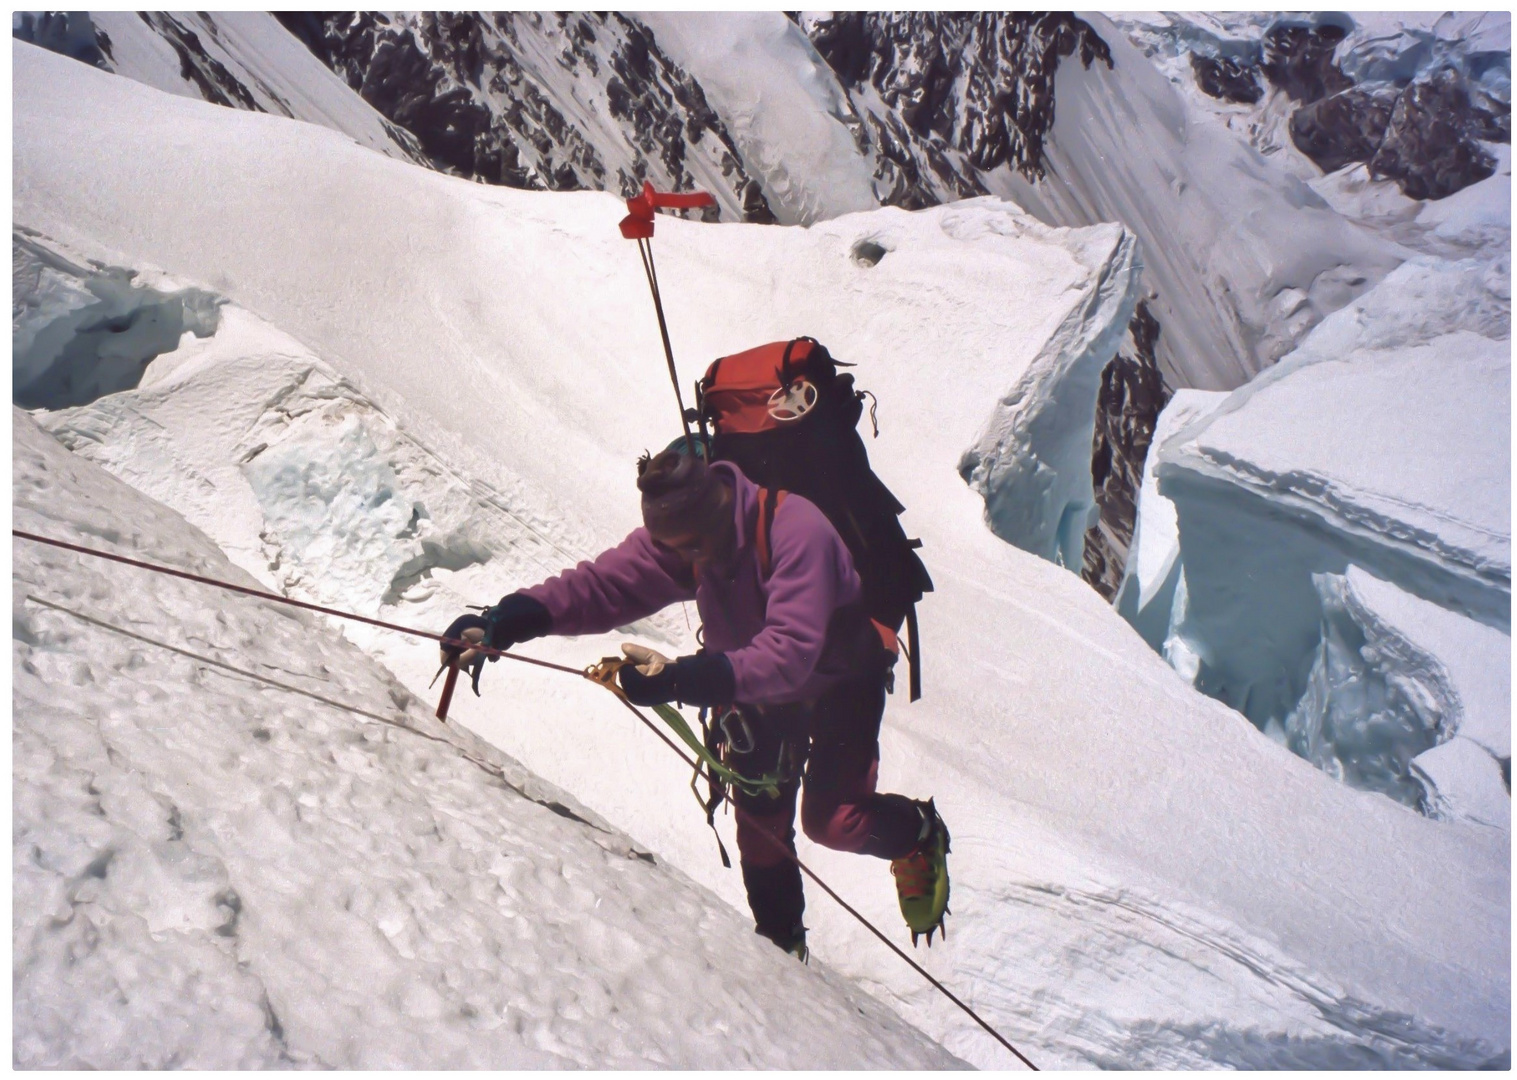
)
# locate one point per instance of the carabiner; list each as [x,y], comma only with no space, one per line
[744,745]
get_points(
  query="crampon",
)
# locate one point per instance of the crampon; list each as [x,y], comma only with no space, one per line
[921,879]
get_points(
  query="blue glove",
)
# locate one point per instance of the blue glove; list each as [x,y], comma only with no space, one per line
[701,679]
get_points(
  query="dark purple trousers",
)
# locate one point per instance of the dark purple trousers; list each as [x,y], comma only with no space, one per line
[838,740]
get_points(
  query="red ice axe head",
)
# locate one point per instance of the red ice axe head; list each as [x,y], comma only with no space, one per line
[638,224]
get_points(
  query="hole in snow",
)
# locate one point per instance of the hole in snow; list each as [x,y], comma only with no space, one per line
[78,334]
[868,252]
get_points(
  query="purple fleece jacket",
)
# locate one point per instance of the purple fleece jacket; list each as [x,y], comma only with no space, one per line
[775,631]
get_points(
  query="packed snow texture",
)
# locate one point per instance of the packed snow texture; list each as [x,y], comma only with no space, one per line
[1139,879]
[212,873]
[1243,256]
[78,333]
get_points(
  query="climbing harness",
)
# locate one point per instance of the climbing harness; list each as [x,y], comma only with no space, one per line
[595,673]
[604,673]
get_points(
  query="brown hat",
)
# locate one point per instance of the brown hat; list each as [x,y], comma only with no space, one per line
[680,495]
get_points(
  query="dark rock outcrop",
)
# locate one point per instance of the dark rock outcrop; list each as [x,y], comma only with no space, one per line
[1347,127]
[945,96]
[1227,78]
[1299,60]
[503,99]
[70,33]
[210,76]
[1132,397]
[1421,130]
[1431,145]
[1426,136]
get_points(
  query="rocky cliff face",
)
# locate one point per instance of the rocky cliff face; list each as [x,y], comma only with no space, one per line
[1418,122]
[940,97]
[1133,395]
[589,101]
[554,101]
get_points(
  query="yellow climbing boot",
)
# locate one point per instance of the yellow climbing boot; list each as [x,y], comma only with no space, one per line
[921,878]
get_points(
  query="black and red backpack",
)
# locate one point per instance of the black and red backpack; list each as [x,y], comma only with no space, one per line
[784,415]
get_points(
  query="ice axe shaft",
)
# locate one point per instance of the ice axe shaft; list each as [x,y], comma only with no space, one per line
[638,225]
[447,691]
[646,249]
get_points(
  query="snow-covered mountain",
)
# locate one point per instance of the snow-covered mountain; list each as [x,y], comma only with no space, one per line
[414,391]
[1208,136]
[240,59]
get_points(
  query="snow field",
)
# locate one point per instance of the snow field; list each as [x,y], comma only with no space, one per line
[210,873]
[1138,878]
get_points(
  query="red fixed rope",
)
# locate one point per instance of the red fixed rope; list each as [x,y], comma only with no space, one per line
[443,639]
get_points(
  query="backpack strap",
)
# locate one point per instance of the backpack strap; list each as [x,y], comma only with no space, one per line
[767,509]
[914,653]
[908,648]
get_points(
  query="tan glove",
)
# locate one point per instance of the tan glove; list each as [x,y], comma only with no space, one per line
[644,659]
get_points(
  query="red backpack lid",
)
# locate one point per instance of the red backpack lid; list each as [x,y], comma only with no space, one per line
[739,389]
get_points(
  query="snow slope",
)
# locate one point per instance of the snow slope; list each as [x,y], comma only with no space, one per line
[243,59]
[1139,879]
[781,103]
[211,873]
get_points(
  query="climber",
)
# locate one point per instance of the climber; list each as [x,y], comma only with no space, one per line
[791,666]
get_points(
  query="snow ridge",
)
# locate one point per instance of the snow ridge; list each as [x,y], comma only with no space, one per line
[240,59]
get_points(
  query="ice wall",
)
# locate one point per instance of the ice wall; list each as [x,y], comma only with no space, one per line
[1031,462]
[1153,573]
[1410,699]
[1396,460]
[79,333]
